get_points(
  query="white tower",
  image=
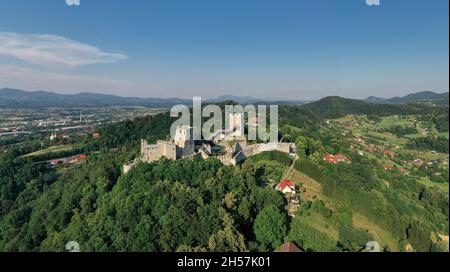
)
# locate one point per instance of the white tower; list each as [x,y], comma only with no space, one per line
[183,139]
[236,125]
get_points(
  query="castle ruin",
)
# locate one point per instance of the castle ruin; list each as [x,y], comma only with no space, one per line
[183,146]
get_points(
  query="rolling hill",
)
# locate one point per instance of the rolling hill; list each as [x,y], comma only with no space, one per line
[426,97]
[13,98]
[254,100]
[335,107]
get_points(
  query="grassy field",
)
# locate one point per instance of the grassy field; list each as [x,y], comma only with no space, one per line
[51,149]
[387,137]
[310,190]
[443,134]
[326,226]
[427,182]
[414,136]
[392,121]
[381,236]
[322,224]
[424,154]
[313,188]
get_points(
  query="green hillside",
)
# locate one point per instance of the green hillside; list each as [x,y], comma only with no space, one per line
[336,107]
[426,97]
[198,205]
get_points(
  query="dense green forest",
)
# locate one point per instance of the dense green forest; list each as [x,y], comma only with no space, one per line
[335,107]
[431,144]
[202,205]
[166,206]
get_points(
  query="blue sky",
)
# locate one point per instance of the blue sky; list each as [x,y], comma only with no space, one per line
[300,49]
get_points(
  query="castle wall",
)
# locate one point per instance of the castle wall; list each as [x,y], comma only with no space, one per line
[151,153]
[189,148]
[286,147]
[184,147]
[255,149]
[167,150]
[129,165]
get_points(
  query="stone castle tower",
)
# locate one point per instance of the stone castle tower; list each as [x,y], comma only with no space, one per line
[183,145]
[184,141]
[236,124]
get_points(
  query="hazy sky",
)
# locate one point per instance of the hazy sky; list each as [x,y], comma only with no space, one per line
[300,49]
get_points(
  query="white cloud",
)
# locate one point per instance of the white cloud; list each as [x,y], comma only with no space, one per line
[31,79]
[52,50]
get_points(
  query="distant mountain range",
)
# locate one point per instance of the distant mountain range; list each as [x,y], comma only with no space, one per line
[22,99]
[432,98]
[13,98]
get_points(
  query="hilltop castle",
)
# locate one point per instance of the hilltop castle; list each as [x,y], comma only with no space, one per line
[181,146]
[228,152]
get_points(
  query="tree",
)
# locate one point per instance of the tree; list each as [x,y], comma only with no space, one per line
[270,226]
[353,239]
[306,146]
[301,146]
[419,236]
[228,238]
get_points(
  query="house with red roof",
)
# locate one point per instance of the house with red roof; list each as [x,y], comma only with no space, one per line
[78,158]
[81,157]
[330,158]
[286,187]
[418,162]
[342,158]
[289,247]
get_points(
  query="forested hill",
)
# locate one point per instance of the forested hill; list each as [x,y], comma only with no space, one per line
[336,107]
[130,132]
[427,97]
[202,205]
[13,98]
